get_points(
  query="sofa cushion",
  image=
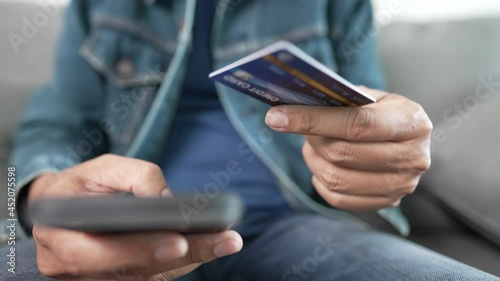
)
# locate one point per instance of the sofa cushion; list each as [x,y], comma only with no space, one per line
[465,174]
[453,70]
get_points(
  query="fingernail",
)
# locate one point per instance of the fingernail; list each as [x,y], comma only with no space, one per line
[226,248]
[276,119]
[166,193]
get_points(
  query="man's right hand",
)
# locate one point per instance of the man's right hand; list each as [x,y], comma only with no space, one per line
[72,255]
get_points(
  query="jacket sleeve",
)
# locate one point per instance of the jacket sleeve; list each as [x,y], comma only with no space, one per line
[61,126]
[353,34]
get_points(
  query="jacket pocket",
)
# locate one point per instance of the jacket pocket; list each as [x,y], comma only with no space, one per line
[132,63]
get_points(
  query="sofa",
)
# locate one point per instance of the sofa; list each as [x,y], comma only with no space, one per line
[452,68]
[455,210]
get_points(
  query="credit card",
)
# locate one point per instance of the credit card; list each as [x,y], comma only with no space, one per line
[284,74]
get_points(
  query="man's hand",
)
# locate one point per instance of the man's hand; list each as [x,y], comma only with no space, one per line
[72,255]
[363,158]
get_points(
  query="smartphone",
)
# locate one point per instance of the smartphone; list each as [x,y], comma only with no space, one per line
[124,213]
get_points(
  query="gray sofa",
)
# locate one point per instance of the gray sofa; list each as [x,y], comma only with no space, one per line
[438,64]
[453,70]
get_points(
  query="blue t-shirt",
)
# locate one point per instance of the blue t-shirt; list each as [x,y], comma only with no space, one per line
[203,148]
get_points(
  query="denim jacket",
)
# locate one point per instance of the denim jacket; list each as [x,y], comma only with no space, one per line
[119,70]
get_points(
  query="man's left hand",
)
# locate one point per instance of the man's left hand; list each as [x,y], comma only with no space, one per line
[361,158]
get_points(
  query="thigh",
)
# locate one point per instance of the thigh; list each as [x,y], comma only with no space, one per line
[310,247]
[25,262]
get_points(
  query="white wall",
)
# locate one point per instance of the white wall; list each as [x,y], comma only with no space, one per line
[438,10]
[411,10]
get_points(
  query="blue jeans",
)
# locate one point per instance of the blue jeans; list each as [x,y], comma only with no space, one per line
[309,247]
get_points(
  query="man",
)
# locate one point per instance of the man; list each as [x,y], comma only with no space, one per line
[131,79]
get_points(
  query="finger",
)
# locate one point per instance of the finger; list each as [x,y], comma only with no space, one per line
[354,182]
[392,118]
[116,173]
[202,248]
[127,254]
[354,202]
[206,247]
[48,264]
[373,156]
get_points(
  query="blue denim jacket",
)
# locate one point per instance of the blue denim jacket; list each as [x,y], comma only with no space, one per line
[120,66]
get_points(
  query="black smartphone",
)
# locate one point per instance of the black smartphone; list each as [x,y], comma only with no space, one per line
[124,213]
